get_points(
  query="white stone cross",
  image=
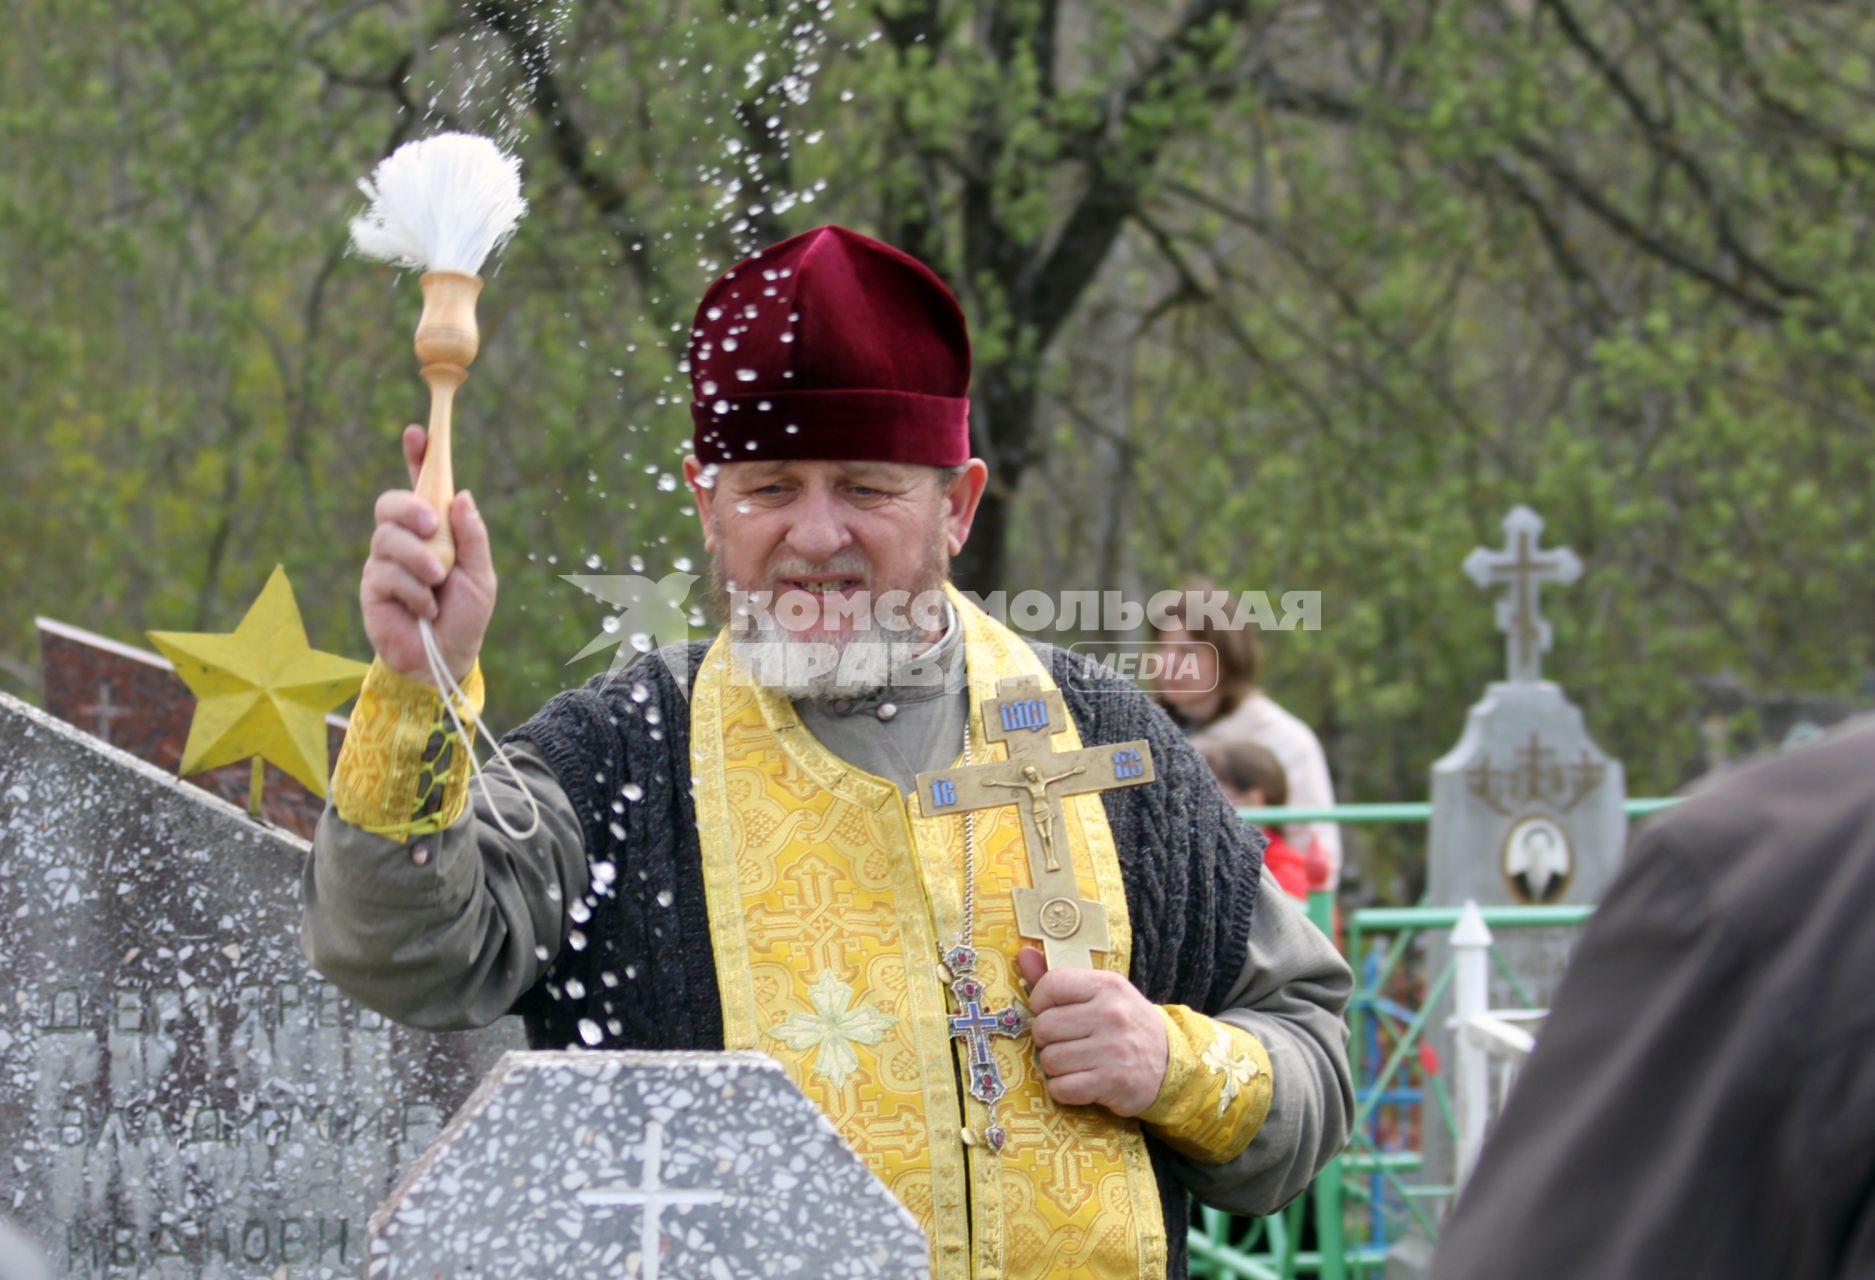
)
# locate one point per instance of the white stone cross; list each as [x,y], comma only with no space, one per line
[1520,568]
[652,1195]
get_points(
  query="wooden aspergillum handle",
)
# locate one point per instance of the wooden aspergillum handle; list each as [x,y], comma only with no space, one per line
[447,342]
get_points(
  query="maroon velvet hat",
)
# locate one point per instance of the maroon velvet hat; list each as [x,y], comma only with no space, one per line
[830,345]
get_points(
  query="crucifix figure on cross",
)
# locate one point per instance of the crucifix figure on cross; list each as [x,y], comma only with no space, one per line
[1036,778]
[1520,568]
[1041,805]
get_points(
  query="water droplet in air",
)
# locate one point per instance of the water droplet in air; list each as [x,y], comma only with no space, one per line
[589,1031]
[708,387]
[667,482]
[576,940]
[575,988]
[631,790]
[665,898]
[579,911]
[746,375]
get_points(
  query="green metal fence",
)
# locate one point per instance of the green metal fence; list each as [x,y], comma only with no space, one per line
[1342,1227]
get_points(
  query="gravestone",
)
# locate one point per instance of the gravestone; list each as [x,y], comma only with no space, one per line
[180,1095]
[134,700]
[661,1166]
[1526,809]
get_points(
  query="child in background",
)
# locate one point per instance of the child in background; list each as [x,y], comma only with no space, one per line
[1252,778]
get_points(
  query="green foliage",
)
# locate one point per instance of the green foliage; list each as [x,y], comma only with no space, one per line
[1382,272]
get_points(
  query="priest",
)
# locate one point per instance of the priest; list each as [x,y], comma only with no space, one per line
[979,898]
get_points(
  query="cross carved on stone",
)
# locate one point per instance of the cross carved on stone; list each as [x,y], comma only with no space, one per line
[105,710]
[1035,778]
[652,1197]
[1519,569]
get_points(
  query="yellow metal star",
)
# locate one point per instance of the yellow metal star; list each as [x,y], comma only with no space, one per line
[262,690]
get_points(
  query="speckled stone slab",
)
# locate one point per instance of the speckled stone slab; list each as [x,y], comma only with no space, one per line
[180,1095]
[679,1166]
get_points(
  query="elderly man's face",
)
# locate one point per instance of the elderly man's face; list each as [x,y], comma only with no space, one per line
[812,531]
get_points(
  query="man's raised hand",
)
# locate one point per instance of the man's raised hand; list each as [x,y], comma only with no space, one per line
[1099,1040]
[403,580]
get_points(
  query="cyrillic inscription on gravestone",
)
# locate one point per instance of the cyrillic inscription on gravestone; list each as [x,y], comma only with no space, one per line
[662,1166]
[179,1094]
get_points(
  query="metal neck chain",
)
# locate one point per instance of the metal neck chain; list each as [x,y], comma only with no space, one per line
[973,1023]
[969,925]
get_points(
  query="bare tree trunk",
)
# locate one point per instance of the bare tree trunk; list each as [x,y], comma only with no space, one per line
[1002,411]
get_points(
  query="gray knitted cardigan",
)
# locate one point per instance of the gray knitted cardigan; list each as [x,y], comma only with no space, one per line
[620,747]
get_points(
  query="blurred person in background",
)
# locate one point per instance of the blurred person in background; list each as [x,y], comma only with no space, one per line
[1211,687]
[1253,778]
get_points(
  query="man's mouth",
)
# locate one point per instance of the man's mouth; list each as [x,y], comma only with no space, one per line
[822,586]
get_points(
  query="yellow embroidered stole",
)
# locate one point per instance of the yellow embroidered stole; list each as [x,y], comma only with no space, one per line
[828,895]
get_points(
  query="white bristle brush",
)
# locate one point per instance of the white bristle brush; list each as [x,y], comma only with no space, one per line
[441,206]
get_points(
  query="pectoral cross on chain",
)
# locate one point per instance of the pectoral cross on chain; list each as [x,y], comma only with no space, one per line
[1035,778]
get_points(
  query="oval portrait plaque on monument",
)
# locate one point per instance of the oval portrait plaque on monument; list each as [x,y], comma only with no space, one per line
[1537,860]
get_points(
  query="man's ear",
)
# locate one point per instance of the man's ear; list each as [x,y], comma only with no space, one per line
[961,497]
[702,482]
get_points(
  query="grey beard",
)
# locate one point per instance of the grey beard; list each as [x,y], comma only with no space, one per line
[858,669]
[862,666]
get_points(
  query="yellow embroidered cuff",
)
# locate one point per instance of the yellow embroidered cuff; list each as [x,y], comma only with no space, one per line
[1217,1087]
[402,771]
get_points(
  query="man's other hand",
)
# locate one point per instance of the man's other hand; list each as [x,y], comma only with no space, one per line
[1099,1039]
[404,581]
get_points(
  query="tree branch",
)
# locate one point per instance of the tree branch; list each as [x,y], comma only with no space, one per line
[568,140]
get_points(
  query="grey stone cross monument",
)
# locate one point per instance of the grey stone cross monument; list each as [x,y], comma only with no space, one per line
[659,1166]
[1526,808]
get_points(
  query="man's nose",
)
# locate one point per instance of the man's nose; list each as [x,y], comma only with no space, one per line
[819,529]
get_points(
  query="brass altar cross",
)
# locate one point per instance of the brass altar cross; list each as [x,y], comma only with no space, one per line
[1035,778]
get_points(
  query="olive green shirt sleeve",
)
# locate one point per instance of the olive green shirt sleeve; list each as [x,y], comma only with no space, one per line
[1291,997]
[445,932]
